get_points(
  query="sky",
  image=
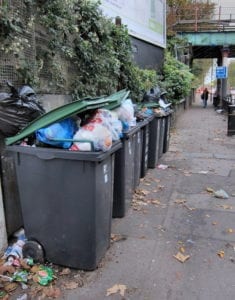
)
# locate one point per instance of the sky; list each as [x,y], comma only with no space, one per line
[227,7]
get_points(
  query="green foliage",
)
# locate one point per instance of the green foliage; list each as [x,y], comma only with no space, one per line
[176,42]
[77,35]
[99,50]
[177,78]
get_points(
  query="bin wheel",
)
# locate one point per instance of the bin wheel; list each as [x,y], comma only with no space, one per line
[34,250]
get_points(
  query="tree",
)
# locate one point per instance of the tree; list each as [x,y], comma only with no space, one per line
[188,15]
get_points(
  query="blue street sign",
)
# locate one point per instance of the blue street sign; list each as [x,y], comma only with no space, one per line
[221,72]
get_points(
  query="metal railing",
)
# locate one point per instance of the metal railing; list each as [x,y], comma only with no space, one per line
[195,19]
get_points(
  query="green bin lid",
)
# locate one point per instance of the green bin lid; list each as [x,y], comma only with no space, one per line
[66,111]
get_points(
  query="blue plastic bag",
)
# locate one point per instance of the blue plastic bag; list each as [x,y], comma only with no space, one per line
[58,133]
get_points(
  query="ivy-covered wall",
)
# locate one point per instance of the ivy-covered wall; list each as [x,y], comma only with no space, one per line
[67,47]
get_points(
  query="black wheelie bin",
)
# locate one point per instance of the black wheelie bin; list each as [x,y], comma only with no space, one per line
[162,135]
[154,141]
[145,127]
[166,140]
[66,199]
[124,169]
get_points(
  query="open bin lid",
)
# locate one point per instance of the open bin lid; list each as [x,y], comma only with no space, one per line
[66,111]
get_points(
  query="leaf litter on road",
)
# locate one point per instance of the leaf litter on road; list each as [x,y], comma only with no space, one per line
[181,257]
[117,288]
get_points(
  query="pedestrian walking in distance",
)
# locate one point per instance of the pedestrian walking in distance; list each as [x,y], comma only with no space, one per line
[204,97]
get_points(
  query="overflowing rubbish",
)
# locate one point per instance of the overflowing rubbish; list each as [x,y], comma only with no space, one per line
[87,125]
[98,133]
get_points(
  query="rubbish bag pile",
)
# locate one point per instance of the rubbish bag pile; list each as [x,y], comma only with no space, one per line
[83,130]
[157,96]
[18,109]
[95,132]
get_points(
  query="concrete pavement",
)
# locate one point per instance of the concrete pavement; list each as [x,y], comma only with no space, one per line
[174,212]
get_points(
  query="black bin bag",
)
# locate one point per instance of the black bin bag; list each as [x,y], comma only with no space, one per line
[18,109]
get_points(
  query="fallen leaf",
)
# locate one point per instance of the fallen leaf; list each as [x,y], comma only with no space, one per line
[70,285]
[181,257]
[10,287]
[35,269]
[24,264]
[209,190]
[220,254]
[117,288]
[7,269]
[225,206]
[35,290]
[156,202]
[214,223]
[52,292]
[189,208]
[182,250]
[180,201]
[229,230]
[145,192]
[118,237]
[65,271]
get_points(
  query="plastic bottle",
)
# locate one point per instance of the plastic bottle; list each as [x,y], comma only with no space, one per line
[14,252]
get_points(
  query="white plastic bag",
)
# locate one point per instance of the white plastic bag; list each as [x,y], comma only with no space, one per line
[110,121]
[126,113]
[92,134]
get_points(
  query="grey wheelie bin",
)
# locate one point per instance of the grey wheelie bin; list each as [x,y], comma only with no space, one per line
[137,156]
[66,199]
[231,120]
[162,135]
[11,201]
[124,168]
[154,141]
[145,127]
[166,140]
